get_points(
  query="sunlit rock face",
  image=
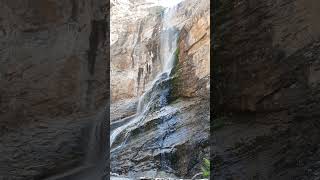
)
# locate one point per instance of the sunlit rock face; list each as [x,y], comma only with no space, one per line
[192,73]
[134,48]
[135,43]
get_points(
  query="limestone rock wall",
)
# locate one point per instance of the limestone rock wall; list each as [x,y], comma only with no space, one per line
[134,57]
[153,147]
[52,57]
[266,90]
[192,71]
[135,46]
[52,72]
[253,40]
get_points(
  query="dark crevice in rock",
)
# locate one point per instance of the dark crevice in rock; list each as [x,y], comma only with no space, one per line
[74,10]
[96,39]
[137,41]
[97,36]
[140,73]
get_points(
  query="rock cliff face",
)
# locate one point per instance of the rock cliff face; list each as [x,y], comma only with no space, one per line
[267,90]
[135,48]
[52,72]
[162,141]
[192,71]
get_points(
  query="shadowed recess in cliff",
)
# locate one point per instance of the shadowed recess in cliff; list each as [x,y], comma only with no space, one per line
[74,11]
[136,42]
[97,36]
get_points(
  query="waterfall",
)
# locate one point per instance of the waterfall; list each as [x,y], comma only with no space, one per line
[168,46]
[97,143]
[95,163]
[168,40]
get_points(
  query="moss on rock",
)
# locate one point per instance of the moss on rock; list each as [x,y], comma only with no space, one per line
[175,81]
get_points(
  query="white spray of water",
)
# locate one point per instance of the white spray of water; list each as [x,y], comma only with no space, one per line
[168,41]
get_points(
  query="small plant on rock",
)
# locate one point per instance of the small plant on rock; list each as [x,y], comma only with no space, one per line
[206,168]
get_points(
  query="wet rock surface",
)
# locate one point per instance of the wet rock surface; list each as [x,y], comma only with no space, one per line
[169,134]
[173,139]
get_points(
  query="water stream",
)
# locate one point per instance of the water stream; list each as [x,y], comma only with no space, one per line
[156,96]
[168,46]
[94,166]
[95,163]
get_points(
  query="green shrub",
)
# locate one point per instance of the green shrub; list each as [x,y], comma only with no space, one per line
[206,168]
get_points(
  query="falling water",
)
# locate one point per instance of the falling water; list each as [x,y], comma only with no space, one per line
[168,46]
[95,163]
[168,40]
[97,142]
